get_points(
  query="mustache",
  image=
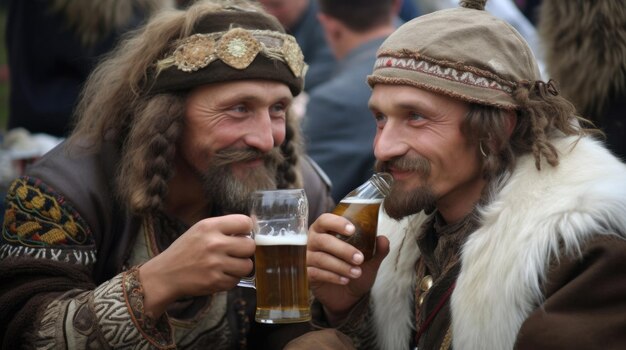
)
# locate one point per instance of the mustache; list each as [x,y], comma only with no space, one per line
[416,164]
[228,156]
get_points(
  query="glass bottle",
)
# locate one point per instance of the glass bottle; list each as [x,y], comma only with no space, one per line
[361,207]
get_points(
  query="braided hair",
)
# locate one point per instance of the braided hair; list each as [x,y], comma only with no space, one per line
[544,114]
[116,106]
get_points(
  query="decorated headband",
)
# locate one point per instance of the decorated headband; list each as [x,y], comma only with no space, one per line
[237,48]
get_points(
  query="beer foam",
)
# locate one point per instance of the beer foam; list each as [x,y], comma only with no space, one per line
[355,200]
[290,238]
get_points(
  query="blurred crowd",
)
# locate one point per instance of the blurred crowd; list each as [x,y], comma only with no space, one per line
[117,126]
[566,39]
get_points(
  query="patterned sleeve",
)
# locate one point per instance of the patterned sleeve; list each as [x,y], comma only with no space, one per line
[47,252]
[39,223]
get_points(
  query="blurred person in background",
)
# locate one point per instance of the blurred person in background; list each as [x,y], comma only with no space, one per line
[299,17]
[503,9]
[337,124]
[585,50]
[52,46]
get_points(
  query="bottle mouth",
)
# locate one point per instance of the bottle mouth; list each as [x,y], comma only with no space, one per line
[383,182]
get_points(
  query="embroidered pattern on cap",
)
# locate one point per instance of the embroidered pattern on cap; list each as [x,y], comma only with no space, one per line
[448,73]
[237,48]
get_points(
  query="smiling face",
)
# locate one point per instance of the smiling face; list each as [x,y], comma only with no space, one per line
[419,141]
[231,137]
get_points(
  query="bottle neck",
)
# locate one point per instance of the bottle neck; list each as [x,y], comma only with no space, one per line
[382,182]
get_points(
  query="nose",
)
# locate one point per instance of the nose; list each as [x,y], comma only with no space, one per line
[260,133]
[390,143]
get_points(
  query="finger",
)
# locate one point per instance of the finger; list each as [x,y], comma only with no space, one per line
[382,249]
[238,268]
[239,246]
[316,275]
[231,225]
[335,247]
[328,223]
[333,265]
[224,283]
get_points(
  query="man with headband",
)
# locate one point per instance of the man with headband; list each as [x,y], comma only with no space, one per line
[512,213]
[131,234]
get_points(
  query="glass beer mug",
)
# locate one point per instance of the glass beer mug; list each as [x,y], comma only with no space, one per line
[280,278]
[361,207]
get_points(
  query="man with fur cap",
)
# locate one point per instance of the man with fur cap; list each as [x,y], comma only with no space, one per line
[512,230]
[131,233]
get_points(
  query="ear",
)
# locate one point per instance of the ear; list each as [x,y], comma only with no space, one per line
[330,25]
[510,120]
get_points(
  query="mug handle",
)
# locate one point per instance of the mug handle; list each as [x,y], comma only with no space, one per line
[247,282]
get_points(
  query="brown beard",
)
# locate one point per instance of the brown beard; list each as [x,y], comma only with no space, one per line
[400,202]
[230,193]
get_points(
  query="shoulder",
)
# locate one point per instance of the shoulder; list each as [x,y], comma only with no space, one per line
[83,177]
[41,223]
[601,258]
[584,300]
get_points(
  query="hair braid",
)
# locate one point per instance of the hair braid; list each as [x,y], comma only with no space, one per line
[542,116]
[543,113]
[288,176]
[149,152]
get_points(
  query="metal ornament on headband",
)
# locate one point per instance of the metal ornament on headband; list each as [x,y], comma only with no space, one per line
[237,48]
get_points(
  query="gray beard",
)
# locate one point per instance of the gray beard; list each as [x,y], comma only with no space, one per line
[231,194]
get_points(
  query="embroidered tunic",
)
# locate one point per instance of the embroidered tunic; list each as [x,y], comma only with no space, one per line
[68,257]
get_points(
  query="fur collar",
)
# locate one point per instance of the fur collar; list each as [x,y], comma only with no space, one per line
[94,19]
[567,203]
[393,291]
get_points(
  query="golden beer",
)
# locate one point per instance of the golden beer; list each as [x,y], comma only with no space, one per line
[363,213]
[281,279]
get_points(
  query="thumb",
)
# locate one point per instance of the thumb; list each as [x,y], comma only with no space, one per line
[382,249]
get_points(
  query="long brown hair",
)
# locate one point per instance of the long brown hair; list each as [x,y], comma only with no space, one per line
[543,115]
[115,107]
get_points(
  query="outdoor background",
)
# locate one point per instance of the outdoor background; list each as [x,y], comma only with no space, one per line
[4,84]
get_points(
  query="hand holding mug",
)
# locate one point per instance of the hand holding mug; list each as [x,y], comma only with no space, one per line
[210,257]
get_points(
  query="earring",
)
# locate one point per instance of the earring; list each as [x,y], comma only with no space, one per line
[480,146]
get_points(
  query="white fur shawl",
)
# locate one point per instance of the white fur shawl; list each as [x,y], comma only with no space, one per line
[520,229]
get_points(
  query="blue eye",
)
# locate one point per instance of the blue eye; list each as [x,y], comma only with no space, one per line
[240,108]
[278,109]
[415,116]
[381,119]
